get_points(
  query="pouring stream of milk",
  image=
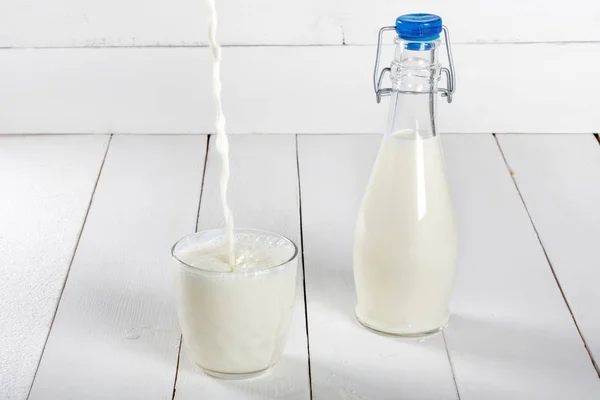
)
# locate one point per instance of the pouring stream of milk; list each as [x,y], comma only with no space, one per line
[222,141]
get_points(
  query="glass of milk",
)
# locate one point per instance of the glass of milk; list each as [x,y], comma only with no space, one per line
[235,321]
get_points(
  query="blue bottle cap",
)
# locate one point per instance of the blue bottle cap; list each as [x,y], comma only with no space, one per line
[419,27]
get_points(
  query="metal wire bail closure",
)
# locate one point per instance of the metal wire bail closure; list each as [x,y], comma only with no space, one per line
[447,92]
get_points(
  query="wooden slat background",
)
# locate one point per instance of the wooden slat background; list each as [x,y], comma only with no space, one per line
[288,70]
[324,89]
[70,23]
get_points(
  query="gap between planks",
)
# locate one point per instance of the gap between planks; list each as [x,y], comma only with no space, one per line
[511,172]
[196,230]
[303,268]
[342,43]
[62,289]
[451,365]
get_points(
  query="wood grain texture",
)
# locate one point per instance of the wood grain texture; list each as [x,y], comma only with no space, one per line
[347,361]
[559,179]
[263,194]
[511,336]
[115,335]
[161,22]
[46,184]
[500,88]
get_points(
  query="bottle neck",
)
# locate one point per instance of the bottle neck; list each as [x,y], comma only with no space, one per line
[415,75]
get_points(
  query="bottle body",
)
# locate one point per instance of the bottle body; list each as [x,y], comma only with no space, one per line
[405,242]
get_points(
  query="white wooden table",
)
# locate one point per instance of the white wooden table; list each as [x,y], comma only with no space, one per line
[86,298]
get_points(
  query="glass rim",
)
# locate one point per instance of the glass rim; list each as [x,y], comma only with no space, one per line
[236,273]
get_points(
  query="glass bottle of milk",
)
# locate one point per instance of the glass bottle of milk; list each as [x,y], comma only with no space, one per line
[405,240]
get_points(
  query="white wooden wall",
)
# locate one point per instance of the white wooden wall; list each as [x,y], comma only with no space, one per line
[131,66]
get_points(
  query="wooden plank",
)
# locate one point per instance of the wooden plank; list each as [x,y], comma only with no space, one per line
[263,194]
[347,361]
[165,23]
[559,179]
[511,336]
[319,89]
[46,184]
[115,335]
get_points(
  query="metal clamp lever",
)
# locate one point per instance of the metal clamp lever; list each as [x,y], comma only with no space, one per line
[379,92]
